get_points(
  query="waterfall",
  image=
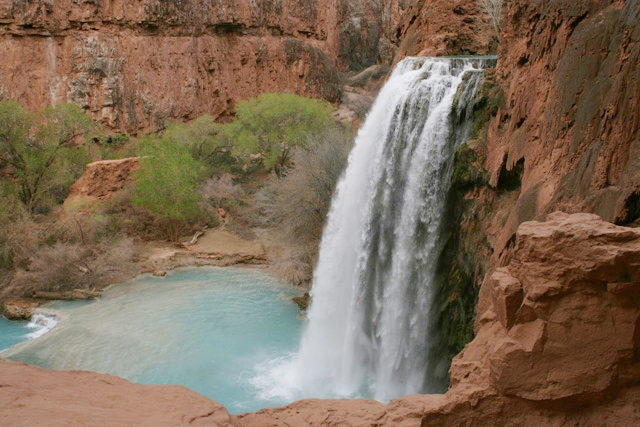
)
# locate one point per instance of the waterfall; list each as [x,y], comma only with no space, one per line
[368,325]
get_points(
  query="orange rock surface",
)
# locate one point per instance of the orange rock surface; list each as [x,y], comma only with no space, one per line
[136,65]
[570,116]
[104,178]
[32,396]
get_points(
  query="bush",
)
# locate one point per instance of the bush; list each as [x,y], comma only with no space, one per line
[166,184]
[18,234]
[68,266]
[205,140]
[42,153]
[221,190]
[270,125]
[298,204]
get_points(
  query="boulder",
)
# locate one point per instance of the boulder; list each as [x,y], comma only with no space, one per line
[19,309]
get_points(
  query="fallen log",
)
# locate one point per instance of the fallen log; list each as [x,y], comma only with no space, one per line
[194,239]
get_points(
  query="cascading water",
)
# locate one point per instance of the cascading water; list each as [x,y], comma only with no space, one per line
[368,325]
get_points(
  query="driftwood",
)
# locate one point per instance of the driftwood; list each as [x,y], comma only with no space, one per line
[67,295]
[194,239]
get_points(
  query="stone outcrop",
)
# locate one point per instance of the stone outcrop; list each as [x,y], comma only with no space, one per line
[33,396]
[561,321]
[437,28]
[19,308]
[102,179]
[558,344]
[568,127]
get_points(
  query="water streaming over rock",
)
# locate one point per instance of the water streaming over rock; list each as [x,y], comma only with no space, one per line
[368,325]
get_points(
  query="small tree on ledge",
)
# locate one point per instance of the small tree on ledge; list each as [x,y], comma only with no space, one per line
[493,8]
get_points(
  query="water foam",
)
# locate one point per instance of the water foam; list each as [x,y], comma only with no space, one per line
[41,323]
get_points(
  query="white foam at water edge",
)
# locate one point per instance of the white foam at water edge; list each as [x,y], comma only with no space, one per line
[41,323]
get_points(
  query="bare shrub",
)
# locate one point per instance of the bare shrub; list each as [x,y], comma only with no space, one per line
[493,8]
[221,189]
[68,266]
[19,234]
[297,204]
[295,266]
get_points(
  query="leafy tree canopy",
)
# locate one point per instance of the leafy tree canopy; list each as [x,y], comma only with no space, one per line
[271,124]
[42,152]
[166,183]
[203,137]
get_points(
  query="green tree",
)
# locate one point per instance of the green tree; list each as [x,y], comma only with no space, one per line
[271,124]
[166,183]
[42,153]
[204,138]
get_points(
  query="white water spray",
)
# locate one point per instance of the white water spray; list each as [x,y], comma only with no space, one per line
[41,323]
[368,325]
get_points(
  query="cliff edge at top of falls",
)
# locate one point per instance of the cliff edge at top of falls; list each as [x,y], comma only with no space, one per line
[558,344]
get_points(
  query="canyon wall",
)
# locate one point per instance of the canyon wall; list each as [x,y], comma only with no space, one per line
[135,65]
[557,129]
[437,28]
[569,125]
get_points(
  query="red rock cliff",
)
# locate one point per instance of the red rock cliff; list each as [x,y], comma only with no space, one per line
[569,71]
[135,65]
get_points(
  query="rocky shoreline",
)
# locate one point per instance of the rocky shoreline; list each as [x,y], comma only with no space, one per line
[217,247]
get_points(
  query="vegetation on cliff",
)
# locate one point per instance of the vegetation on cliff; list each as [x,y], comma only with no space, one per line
[466,253]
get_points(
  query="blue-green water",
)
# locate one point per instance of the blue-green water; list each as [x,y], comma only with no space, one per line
[208,329]
[12,333]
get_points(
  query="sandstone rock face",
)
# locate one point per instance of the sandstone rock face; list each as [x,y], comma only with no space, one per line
[33,396]
[103,179]
[437,28]
[570,119]
[135,65]
[564,312]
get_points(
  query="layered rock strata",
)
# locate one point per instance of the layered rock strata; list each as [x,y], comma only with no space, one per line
[136,65]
